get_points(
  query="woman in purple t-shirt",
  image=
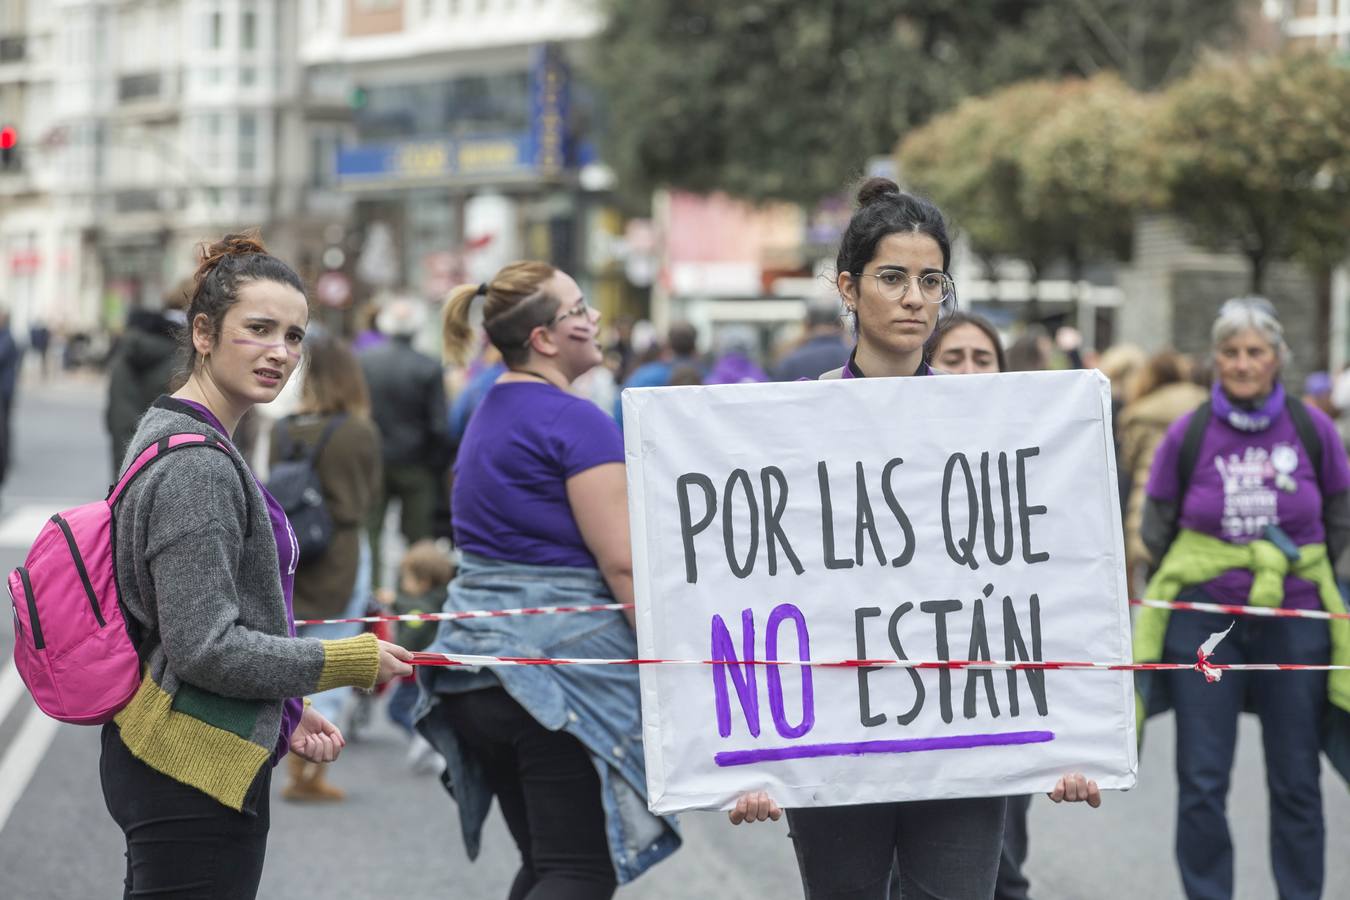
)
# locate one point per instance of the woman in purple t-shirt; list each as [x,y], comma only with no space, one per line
[540,516]
[1251,484]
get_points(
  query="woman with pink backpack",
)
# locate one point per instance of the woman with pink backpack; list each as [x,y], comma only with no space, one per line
[205,563]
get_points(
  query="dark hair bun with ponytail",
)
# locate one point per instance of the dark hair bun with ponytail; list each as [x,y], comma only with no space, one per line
[874,189]
[241,244]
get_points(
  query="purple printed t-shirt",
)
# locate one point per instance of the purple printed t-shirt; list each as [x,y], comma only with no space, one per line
[288,554]
[510,495]
[1235,491]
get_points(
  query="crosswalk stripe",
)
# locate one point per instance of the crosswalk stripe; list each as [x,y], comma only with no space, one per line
[21,759]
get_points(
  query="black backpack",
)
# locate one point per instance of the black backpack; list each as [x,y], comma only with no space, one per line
[294,482]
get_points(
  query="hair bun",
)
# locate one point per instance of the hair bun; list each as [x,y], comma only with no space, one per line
[236,244]
[873,189]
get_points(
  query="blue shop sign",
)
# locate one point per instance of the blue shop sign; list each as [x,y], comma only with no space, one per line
[437,159]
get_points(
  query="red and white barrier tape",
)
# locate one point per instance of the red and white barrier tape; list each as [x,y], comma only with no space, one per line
[1277,612]
[474,614]
[1212,671]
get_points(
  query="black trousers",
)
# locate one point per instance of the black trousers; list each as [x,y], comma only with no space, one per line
[548,791]
[181,844]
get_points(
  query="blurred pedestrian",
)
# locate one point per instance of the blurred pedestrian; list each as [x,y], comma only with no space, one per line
[1119,363]
[1317,392]
[1247,503]
[369,334]
[823,346]
[540,515]
[40,341]
[893,267]
[205,560]
[734,364]
[407,397]
[681,349]
[333,429]
[11,356]
[1160,393]
[423,576]
[143,365]
[1031,351]
[968,344]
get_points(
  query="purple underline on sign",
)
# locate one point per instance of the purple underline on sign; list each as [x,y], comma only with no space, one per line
[862,748]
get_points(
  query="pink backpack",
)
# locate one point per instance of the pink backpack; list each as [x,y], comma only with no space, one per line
[71,642]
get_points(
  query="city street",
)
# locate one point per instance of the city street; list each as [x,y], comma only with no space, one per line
[397,834]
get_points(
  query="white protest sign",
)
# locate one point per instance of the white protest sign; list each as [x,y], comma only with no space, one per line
[970,517]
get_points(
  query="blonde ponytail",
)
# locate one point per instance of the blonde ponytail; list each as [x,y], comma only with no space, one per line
[515,302]
[455,330]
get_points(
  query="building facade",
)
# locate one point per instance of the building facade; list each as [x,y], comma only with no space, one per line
[470,139]
[150,126]
[1320,24]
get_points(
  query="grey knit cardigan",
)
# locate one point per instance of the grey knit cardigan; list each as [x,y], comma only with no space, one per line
[197,569]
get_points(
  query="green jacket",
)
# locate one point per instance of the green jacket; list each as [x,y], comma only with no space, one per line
[1196,558]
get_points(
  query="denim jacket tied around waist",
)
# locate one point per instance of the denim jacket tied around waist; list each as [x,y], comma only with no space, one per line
[599,705]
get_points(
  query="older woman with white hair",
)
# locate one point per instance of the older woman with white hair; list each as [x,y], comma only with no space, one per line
[1247,504]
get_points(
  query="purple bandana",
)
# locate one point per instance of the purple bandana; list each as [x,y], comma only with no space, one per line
[1248,420]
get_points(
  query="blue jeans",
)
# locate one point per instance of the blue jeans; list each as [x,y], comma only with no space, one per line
[402,704]
[329,704]
[1290,706]
[942,849]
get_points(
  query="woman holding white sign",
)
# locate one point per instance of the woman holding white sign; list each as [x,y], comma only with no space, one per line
[893,278]
[1247,503]
[540,515]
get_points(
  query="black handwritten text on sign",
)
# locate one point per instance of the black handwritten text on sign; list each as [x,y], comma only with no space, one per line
[968,498]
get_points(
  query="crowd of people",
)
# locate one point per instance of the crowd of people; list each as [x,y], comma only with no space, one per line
[507,468]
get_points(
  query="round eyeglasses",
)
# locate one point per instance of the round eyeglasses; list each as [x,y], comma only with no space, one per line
[893,285]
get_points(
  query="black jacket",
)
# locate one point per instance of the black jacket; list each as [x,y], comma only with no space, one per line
[140,369]
[407,402]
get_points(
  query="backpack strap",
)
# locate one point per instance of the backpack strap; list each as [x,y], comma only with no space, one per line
[1307,434]
[327,433]
[166,445]
[1189,453]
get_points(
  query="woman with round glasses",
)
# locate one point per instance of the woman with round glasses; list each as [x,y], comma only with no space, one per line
[540,515]
[892,276]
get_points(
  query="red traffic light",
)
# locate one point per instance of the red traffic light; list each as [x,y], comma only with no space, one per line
[9,137]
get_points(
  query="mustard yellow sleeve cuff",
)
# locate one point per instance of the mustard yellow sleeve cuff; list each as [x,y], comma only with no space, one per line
[353,662]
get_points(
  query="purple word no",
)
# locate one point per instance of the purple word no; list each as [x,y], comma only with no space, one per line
[745,679]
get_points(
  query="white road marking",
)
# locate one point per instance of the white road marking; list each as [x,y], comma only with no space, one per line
[22,758]
[11,688]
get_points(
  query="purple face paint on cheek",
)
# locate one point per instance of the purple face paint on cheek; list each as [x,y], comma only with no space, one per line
[243,342]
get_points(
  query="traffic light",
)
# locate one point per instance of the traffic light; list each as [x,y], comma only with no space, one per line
[9,147]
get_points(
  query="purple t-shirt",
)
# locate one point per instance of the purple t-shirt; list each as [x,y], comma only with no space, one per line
[1241,484]
[288,554]
[510,495]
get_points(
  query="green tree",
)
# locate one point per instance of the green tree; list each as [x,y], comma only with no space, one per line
[1039,171]
[781,99]
[1086,170]
[1256,155]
